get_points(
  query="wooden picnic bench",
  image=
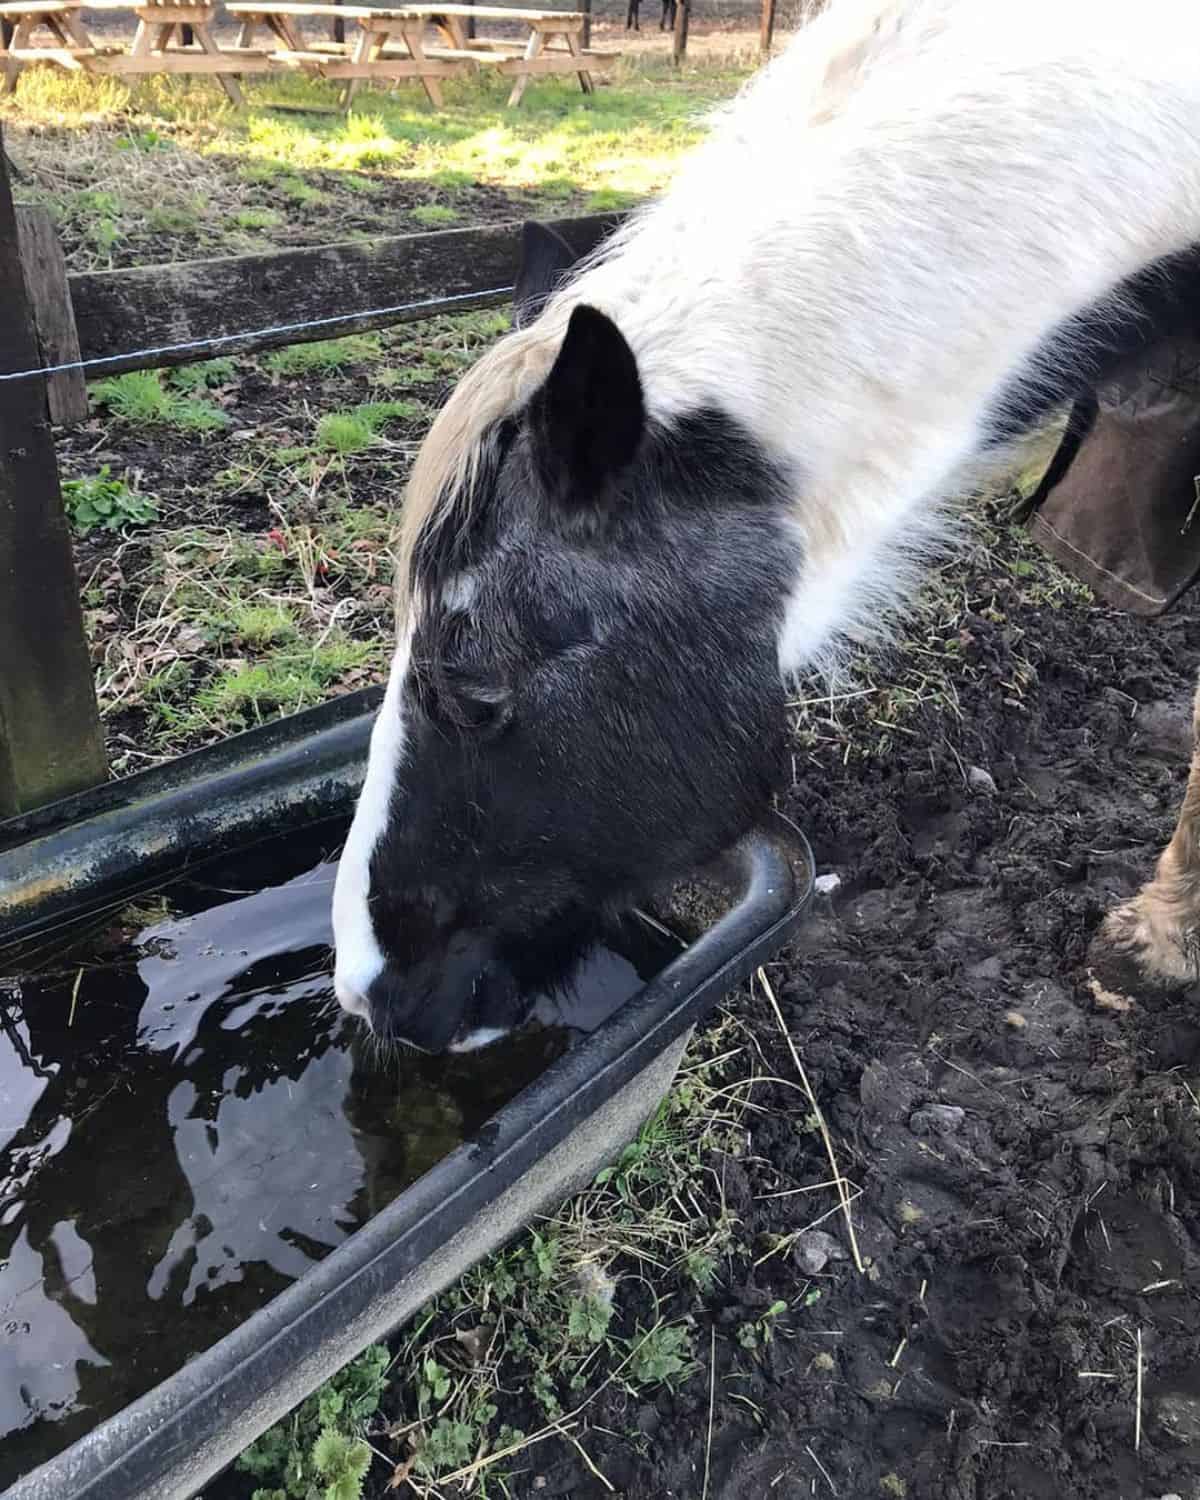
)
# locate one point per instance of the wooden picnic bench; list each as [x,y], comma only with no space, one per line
[365,56]
[173,36]
[523,60]
[428,42]
[22,41]
[392,43]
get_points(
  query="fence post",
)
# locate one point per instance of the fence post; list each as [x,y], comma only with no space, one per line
[679,40]
[49,296]
[50,738]
[586,7]
[766,33]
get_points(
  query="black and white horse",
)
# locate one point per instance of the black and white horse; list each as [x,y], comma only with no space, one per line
[715,454]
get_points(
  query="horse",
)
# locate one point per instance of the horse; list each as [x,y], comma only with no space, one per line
[716,453]
[666,20]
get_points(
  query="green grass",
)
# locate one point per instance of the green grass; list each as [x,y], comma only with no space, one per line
[143,398]
[257,218]
[325,357]
[243,695]
[348,432]
[125,164]
[435,215]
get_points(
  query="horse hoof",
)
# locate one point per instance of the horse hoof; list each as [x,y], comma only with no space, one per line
[1128,961]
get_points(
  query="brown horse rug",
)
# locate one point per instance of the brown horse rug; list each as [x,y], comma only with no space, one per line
[1119,505]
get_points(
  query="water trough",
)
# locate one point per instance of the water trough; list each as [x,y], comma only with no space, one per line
[92,853]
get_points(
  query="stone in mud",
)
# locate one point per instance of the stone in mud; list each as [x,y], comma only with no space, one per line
[815,1249]
[936,1119]
[980,780]
[1179,1416]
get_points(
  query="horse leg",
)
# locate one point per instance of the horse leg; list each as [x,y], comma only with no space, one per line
[1153,940]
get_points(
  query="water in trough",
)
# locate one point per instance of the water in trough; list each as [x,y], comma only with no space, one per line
[188,1122]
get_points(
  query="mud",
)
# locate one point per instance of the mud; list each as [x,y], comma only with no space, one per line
[1026,1162]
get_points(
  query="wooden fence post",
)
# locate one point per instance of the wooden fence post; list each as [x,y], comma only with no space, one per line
[586,7]
[679,39]
[50,738]
[49,296]
[766,33]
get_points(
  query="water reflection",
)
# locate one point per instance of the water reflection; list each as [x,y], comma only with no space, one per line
[187,1123]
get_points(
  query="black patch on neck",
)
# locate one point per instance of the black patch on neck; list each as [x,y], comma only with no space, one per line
[1086,350]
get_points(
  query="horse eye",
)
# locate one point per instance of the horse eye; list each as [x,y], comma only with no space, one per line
[485,709]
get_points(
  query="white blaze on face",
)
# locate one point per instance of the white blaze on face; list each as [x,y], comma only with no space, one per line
[359,958]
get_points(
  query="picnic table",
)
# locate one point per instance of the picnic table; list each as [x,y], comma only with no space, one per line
[173,36]
[67,42]
[395,43]
[428,42]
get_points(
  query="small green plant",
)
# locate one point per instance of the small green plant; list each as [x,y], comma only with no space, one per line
[318,1452]
[344,432]
[347,432]
[301,193]
[106,503]
[325,357]
[761,1331]
[435,215]
[661,1356]
[257,218]
[193,379]
[588,1319]
[172,218]
[140,398]
[259,625]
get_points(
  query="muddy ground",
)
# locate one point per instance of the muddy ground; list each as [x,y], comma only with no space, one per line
[1027,1162]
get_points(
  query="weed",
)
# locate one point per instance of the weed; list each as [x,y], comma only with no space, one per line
[299,192]
[325,357]
[206,373]
[344,432]
[247,694]
[661,1356]
[141,399]
[258,625]
[257,218]
[588,1319]
[435,215]
[451,180]
[107,503]
[348,432]
[172,218]
[318,1452]
[761,1331]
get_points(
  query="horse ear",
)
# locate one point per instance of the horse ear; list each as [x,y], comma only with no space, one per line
[545,260]
[588,417]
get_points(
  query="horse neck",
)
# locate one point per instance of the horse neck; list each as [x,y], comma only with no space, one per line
[856,269]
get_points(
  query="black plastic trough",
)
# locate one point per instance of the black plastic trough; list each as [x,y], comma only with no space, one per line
[98,848]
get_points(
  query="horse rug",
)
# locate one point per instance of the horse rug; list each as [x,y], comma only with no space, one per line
[1119,505]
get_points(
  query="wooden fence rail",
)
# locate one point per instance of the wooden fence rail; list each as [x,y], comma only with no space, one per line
[361,283]
[50,739]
